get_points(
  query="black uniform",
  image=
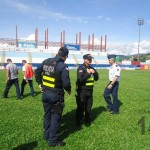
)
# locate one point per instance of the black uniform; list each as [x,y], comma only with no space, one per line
[53,74]
[84,97]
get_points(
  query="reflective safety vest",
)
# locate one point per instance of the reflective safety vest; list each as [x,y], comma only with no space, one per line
[90,81]
[50,78]
[48,81]
[29,71]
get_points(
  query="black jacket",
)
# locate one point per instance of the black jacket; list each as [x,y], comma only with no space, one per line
[61,70]
[83,75]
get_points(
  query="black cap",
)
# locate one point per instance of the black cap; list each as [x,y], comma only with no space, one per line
[63,51]
[111,56]
[87,56]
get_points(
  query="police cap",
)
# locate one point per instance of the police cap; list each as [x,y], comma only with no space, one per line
[87,56]
[111,56]
[63,51]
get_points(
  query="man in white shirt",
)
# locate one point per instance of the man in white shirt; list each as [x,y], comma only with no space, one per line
[113,86]
[27,78]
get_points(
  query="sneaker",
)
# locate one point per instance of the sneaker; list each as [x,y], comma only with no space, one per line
[88,122]
[109,109]
[114,113]
[19,98]
[59,143]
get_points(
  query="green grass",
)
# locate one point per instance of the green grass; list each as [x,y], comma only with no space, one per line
[21,122]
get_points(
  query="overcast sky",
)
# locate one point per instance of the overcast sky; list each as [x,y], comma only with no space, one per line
[115,18]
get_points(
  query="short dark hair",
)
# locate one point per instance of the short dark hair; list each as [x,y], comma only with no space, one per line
[63,51]
[9,60]
[24,61]
[88,56]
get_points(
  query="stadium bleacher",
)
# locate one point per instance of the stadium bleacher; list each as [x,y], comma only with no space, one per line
[35,56]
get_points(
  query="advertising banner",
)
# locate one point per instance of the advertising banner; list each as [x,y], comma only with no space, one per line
[72,47]
[145,66]
[27,44]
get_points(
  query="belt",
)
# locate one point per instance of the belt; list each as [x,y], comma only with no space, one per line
[54,92]
[115,82]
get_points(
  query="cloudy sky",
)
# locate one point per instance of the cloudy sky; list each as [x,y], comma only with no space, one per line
[115,18]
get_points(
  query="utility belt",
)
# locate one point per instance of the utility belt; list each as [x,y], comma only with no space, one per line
[57,107]
[87,92]
[59,93]
[53,92]
[115,84]
[87,88]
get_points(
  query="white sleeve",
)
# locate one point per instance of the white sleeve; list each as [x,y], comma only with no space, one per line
[117,71]
[23,68]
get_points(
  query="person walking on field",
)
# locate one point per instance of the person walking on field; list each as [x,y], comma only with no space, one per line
[113,86]
[11,78]
[27,77]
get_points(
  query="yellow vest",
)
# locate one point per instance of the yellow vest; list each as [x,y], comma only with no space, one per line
[90,81]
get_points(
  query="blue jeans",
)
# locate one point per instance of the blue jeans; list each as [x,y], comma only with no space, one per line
[114,106]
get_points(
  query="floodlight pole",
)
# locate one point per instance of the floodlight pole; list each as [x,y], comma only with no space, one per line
[140,22]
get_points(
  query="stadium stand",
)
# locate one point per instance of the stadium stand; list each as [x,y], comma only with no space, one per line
[35,56]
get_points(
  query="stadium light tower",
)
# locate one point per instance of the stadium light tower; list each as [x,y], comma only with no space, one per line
[140,22]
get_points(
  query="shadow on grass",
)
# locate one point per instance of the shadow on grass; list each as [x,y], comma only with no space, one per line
[27,146]
[25,95]
[35,94]
[120,103]
[97,111]
[69,122]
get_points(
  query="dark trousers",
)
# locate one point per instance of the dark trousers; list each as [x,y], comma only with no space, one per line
[23,84]
[53,108]
[84,102]
[114,106]
[8,86]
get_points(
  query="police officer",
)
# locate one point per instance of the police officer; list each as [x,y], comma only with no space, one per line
[86,75]
[52,77]
[113,85]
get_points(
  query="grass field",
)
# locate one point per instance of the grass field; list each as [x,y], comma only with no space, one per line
[21,122]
